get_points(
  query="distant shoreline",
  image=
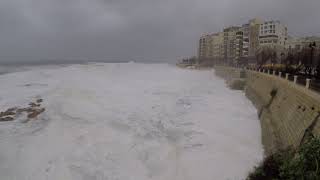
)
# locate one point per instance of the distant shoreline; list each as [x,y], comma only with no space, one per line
[12,67]
[54,62]
[58,62]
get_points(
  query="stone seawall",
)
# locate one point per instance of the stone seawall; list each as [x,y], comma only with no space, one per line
[235,78]
[288,112]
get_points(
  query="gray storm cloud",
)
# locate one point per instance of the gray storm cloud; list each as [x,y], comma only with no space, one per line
[133,29]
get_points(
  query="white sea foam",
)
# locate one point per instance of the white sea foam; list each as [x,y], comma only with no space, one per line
[127,122]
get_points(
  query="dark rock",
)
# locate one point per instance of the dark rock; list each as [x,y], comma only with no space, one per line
[34,105]
[24,110]
[12,109]
[4,119]
[7,113]
[35,113]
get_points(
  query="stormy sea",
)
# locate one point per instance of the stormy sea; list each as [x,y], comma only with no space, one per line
[124,121]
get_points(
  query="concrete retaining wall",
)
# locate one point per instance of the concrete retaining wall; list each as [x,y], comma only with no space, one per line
[287,111]
[227,73]
[235,78]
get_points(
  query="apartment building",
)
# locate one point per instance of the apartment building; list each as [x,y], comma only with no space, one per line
[254,30]
[230,43]
[203,46]
[242,43]
[246,41]
[211,46]
[239,45]
[209,50]
[273,34]
[273,37]
[218,46]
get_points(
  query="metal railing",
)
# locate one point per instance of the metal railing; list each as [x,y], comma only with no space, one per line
[300,79]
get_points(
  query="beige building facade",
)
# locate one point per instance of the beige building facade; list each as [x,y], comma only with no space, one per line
[230,43]
[239,45]
[248,42]
[211,46]
[218,46]
[242,42]
[254,30]
[203,45]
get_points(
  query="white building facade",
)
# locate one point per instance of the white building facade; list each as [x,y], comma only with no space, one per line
[273,34]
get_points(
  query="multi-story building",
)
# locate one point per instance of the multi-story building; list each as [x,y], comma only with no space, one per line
[273,34]
[203,46]
[248,40]
[209,49]
[211,46]
[239,45]
[241,42]
[254,30]
[273,38]
[230,43]
[218,46]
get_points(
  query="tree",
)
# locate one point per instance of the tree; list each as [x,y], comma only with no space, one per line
[267,55]
[308,58]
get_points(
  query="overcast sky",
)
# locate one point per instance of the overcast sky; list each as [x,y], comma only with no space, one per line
[152,30]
